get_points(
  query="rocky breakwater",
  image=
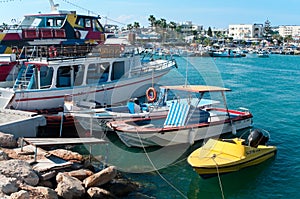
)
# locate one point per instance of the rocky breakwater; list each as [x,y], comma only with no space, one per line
[21,178]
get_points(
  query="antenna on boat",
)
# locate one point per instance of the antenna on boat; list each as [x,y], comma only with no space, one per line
[53,6]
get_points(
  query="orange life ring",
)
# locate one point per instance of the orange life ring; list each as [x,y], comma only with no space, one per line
[151,94]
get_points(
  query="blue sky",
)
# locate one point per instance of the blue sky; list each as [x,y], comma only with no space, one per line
[209,13]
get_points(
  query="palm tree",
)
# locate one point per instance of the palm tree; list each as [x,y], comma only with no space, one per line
[152,20]
[157,23]
[209,32]
[163,23]
[129,27]
[136,25]
[172,25]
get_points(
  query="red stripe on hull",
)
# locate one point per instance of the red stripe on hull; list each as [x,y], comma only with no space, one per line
[85,93]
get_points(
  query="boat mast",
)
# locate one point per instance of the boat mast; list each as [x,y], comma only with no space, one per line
[53,6]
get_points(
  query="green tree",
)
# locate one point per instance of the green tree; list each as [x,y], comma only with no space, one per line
[207,42]
[277,37]
[129,27]
[288,38]
[172,25]
[178,29]
[209,32]
[267,30]
[152,20]
[136,25]
[163,23]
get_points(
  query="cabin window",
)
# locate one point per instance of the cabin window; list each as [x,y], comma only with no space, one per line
[36,22]
[97,26]
[27,21]
[81,22]
[118,70]
[78,74]
[50,22]
[63,77]
[88,23]
[97,73]
[59,22]
[46,75]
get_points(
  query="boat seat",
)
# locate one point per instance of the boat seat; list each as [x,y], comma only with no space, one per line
[177,114]
[133,107]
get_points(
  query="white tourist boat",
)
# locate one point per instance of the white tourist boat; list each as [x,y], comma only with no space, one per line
[109,75]
[185,122]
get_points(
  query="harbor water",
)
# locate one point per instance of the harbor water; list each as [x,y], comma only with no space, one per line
[269,88]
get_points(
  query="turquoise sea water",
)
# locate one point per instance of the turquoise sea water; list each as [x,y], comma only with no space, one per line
[270,88]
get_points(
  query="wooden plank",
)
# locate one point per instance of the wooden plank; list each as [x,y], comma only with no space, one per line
[62,141]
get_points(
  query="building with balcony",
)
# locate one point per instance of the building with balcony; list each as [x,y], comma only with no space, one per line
[288,30]
[245,31]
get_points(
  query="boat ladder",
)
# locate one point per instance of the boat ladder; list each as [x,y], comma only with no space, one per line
[24,79]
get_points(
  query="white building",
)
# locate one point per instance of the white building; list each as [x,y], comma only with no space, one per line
[245,31]
[186,27]
[219,31]
[294,31]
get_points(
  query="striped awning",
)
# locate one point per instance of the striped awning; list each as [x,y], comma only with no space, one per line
[177,114]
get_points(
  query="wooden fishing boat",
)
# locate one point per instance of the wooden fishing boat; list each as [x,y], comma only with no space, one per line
[92,118]
[185,122]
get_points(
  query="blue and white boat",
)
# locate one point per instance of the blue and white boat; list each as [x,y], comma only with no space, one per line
[185,123]
[225,53]
[263,54]
[92,118]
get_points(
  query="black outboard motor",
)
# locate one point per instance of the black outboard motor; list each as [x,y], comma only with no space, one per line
[256,138]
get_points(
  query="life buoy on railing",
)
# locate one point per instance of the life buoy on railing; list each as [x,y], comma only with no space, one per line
[151,94]
[52,52]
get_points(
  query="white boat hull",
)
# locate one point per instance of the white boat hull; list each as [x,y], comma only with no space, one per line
[106,94]
[187,135]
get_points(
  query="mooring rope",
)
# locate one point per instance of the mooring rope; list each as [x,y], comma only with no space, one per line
[220,182]
[156,170]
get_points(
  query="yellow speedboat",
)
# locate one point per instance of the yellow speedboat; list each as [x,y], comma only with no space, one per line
[228,155]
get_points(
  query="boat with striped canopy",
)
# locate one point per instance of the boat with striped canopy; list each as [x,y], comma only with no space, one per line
[185,122]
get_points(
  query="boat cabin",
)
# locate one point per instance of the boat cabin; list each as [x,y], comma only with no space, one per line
[71,72]
[62,28]
[62,25]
